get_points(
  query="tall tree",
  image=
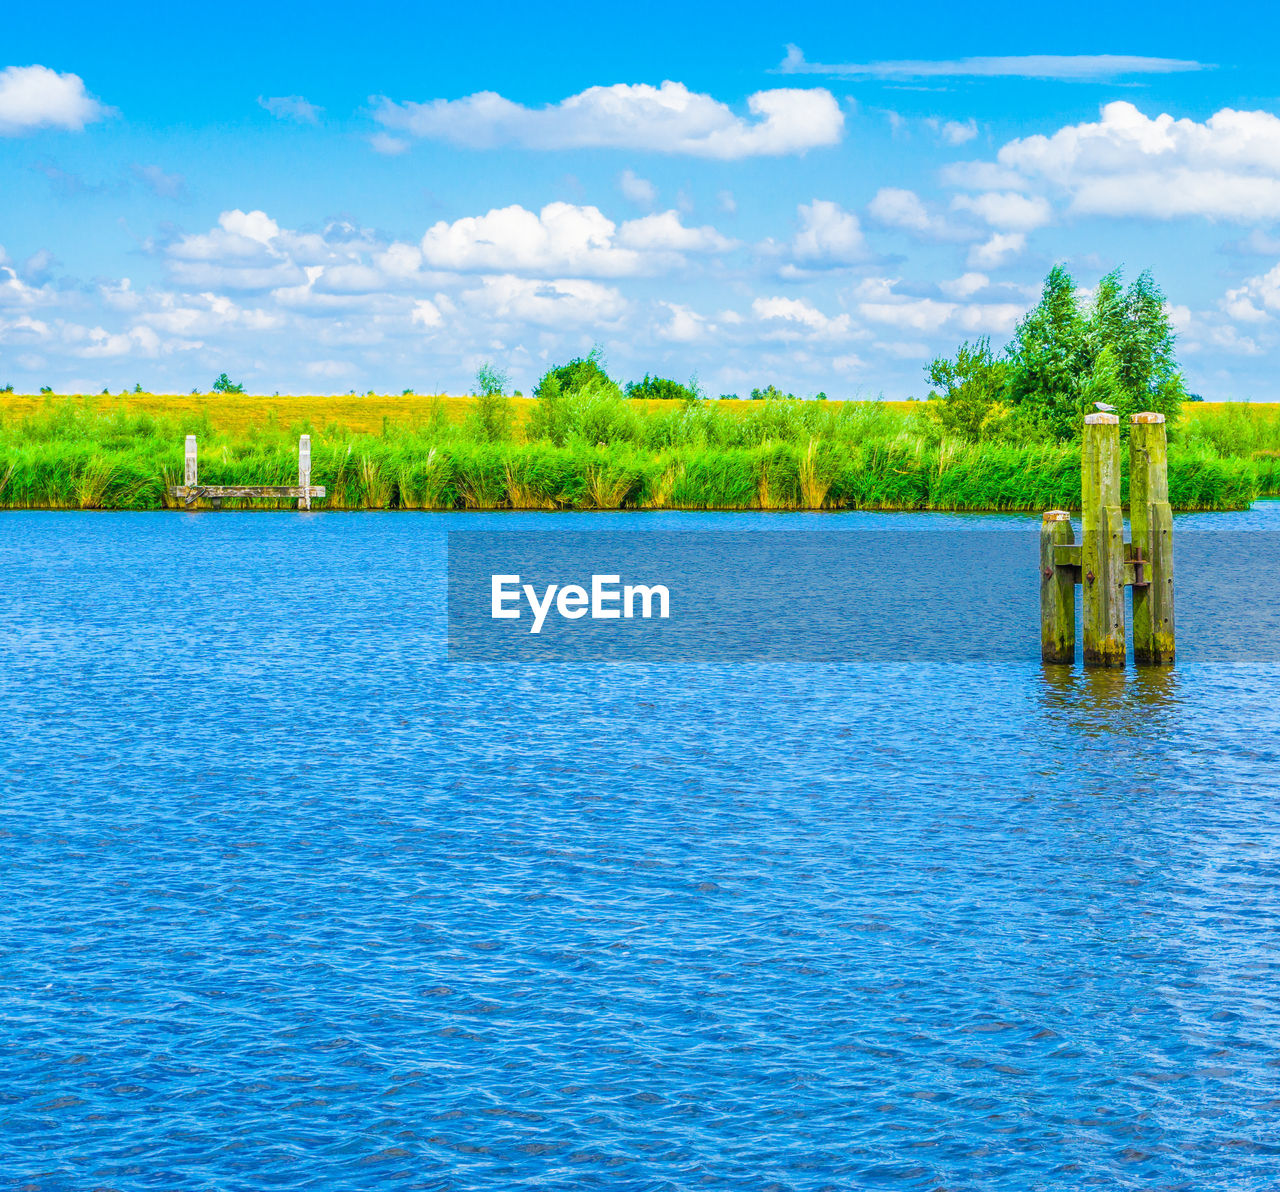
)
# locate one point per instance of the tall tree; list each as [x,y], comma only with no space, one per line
[1049,359]
[1135,325]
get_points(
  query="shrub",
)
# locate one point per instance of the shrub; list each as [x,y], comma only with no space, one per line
[660,389]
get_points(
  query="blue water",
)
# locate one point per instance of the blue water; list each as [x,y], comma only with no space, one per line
[290,901]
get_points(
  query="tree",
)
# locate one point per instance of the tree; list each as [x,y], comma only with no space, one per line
[660,389]
[491,416]
[970,390]
[223,384]
[583,374]
[490,381]
[1049,357]
[1120,351]
[771,393]
[1133,327]
[550,418]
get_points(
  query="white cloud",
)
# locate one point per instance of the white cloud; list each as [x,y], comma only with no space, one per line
[564,239]
[1071,68]
[554,303]
[955,132]
[828,236]
[291,107]
[965,286]
[665,119]
[882,303]
[1128,164]
[1229,340]
[426,314]
[248,250]
[33,97]
[388,145]
[897,208]
[165,186]
[142,341]
[1257,300]
[685,325]
[997,251]
[664,232]
[1007,210]
[636,189]
[791,318]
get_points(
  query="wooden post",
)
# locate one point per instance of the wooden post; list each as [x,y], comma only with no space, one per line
[1102,548]
[1151,522]
[1057,590]
[190,480]
[304,471]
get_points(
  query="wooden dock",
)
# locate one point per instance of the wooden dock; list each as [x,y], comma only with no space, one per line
[191,491]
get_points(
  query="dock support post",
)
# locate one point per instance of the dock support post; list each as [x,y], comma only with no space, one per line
[1057,590]
[304,471]
[1151,523]
[1102,548]
[190,478]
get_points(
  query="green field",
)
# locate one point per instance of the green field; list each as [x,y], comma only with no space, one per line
[423,452]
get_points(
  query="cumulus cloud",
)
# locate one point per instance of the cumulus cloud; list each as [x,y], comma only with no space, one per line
[953,132]
[291,107]
[965,286]
[665,119]
[1001,248]
[1008,210]
[829,236]
[684,326]
[164,186]
[1130,164]
[1070,68]
[565,239]
[789,318]
[636,189]
[881,302]
[552,303]
[894,207]
[34,97]
[1257,300]
[248,250]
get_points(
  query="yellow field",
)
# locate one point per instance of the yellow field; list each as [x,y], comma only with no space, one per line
[235,413]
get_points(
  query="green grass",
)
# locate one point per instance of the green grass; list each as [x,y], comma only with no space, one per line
[73,453]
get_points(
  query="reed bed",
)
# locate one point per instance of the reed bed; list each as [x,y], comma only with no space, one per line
[90,453]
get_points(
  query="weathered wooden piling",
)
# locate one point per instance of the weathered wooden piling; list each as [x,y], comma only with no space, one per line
[1102,542]
[304,471]
[1057,589]
[1103,564]
[1151,531]
[192,491]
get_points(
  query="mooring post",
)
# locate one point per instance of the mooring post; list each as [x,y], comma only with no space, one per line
[304,471]
[1057,590]
[1102,546]
[1151,526]
[190,480]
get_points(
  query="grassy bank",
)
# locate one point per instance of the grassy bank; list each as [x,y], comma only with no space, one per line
[430,453]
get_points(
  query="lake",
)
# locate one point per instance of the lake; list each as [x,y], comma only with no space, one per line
[294,901]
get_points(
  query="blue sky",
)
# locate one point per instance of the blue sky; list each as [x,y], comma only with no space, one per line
[384,197]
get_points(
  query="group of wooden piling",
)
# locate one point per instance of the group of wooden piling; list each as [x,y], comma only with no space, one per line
[1102,563]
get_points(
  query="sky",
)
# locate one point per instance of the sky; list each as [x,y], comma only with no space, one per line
[383,197]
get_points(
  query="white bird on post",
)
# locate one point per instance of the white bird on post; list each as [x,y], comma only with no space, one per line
[1102,405]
